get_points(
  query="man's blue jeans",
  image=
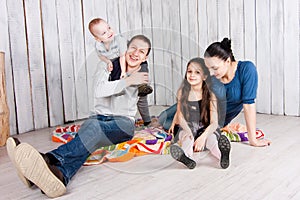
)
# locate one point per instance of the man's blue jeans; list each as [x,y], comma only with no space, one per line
[97,131]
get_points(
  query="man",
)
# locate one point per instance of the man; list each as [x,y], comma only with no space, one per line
[115,107]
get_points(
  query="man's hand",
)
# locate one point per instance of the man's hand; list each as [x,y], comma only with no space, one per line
[137,78]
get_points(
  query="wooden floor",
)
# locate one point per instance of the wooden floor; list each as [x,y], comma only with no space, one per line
[255,173]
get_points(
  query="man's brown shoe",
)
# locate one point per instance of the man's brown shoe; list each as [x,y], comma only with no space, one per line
[11,144]
[34,167]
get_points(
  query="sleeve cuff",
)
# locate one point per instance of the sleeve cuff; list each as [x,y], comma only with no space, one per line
[248,101]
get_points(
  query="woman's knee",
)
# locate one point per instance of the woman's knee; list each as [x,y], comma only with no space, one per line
[166,117]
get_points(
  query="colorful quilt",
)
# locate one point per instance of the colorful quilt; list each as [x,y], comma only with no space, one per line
[146,140]
[237,132]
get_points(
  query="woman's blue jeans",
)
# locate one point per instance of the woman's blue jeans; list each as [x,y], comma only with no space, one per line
[166,117]
[98,131]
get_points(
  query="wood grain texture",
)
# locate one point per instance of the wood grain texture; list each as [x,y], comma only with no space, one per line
[236,10]
[263,173]
[223,12]
[4,47]
[203,23]
[184,33]
[20,68]
[123,17]
[51,60]
[81,92]
[158,48]
[250,30]
[263,61]
[146,17]
[212,18]
[193,28]
[4,110]
[133,18]
[112,15]
[277,61]
[176,45]
[89,10]
[167,53]
[52,63]
[66,59]
[291,57]
[36,63]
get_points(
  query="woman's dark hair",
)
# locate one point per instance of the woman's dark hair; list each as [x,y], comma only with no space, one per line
[206,95]
[221,50]
[143,38]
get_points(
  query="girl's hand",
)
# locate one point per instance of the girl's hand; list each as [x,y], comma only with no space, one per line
[199,144]
[260,143]
[171,129]
[174,122]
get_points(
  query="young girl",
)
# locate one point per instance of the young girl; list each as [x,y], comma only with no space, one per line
[197,117]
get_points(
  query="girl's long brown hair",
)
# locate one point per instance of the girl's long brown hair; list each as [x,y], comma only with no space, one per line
[185,89]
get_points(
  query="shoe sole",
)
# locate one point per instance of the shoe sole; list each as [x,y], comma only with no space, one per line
[178,154]
[33,166]
[224,146]
[11,147]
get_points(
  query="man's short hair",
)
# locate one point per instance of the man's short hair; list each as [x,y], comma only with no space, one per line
[143,38]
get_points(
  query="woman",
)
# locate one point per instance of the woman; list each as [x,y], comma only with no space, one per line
[240,84]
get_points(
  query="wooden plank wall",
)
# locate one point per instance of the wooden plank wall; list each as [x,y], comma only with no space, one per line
[5,47]
[50,58]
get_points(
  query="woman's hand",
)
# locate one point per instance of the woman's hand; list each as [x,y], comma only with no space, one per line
[260,143]
[199,144]
[250,117]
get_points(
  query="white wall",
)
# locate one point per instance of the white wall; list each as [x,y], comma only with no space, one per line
[50,59]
